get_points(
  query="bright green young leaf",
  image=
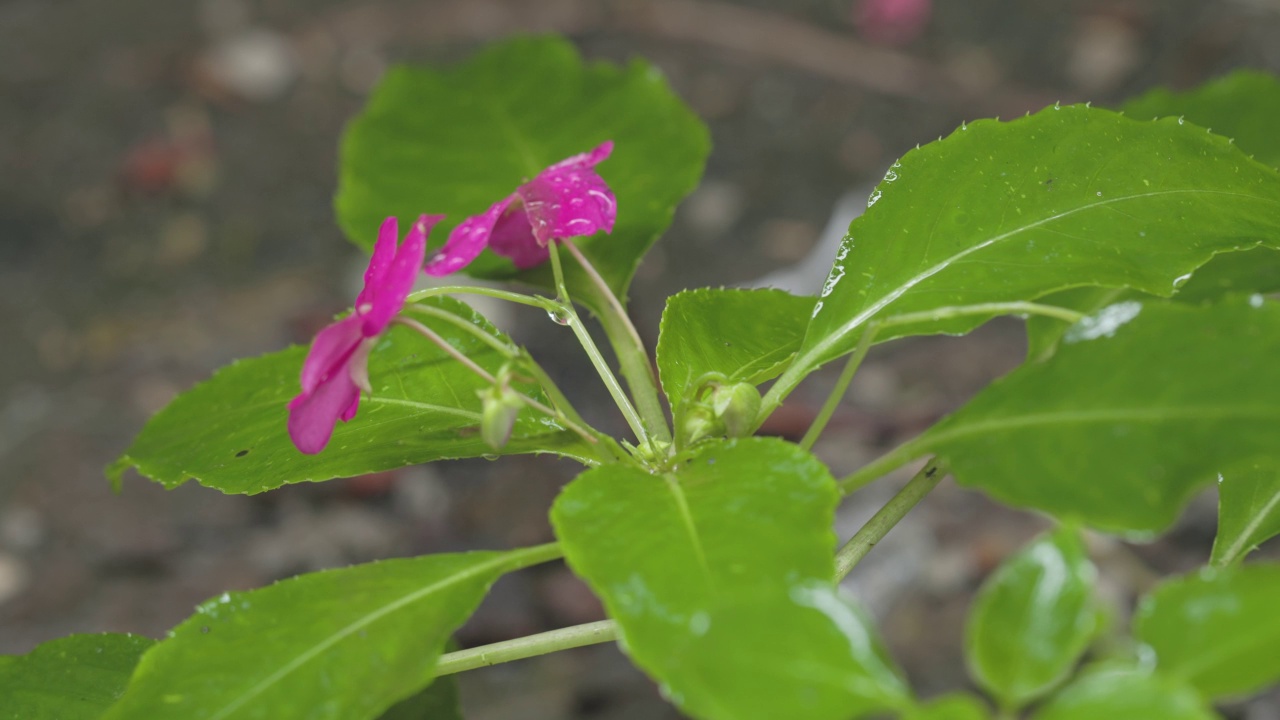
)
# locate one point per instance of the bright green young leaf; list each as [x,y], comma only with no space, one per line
[342,644]
[229,432]
[1217,630]
[1033,619]
[741,335]
[457,140]
[719,575]
[1122,692]
[438,702]
[1140,407]
[1248,510]
[71,678]
[956,706]
[1242,106]
[1066,197]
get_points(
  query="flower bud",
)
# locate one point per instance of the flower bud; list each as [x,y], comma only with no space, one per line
[499,407]
[700,422]
[736,406]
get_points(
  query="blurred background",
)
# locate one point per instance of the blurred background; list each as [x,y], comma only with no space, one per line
[166,175]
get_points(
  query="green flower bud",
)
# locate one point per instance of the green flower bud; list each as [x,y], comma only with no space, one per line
[499,407]
[736,406]
[700,422]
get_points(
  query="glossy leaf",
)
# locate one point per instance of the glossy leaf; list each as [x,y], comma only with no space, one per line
[1248,510]
[1121,692]
[720,578]
[1216,630]
[1033,619]
[457,140]
[71,678]
[343,644]
[438,702]
[1248,271]
[739,335]
[229,432]
[1070,196]
[1242,106]
[950,707]
[1139,408]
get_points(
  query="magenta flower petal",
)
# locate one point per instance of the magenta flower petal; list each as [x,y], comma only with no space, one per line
[513,238]
[569,199]
[384,252]
[467,241]
[395,279]
[330,352]
[312,415]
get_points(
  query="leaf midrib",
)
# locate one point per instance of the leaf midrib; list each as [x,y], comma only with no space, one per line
[822,346]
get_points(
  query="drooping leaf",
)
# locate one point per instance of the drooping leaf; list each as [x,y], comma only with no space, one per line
[72,678]
[955,706]
[1216,630]
[229,432]
[719,575]
[742,335]
[1115,691]
[344,644]
[1242,106]
[1141,406]
[457,140]
[1033,619]
[438,702]
[1231,273]
[1069,196]
[1248,510]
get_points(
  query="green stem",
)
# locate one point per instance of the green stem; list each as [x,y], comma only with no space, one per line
[526,647]
[521,558]
[519,298]
[471,365]
[888,516]
[882,466]
[506,350]
[837,393]
[805,364]
[633,359]
[593,352]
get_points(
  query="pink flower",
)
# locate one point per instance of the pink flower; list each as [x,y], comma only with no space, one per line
[893,22]
[566,200]
[336,368]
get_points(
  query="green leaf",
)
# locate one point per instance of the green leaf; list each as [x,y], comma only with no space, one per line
[71,678]
[1248,271]
[1121,692]
[1242,106]
[736,335]
[438,702]
[458,140]
[1002,212]
[955,706]
[1216,630]
[344,644]
[1248,510]
[720,578]
[229,432]
[1140,407]
[1033,619]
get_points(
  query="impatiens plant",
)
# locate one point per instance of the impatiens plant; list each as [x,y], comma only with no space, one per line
[1140,247]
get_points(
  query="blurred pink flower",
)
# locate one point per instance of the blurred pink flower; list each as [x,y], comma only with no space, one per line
[893,22]
[336,368]
[566,200]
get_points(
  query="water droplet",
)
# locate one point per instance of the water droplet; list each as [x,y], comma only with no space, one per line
[875,197]
[560,317]
[1255,300]
[699,623]
[1099,193]
[1181,280]
[1181,121]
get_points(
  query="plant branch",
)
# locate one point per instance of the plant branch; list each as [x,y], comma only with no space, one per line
[515,297]
[526,647]
[888,516]
[837,392]
[565,305]
[633,359]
